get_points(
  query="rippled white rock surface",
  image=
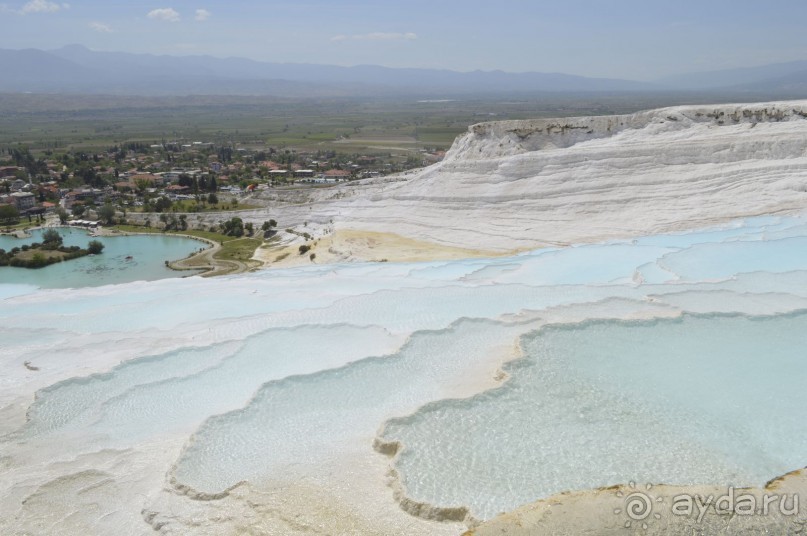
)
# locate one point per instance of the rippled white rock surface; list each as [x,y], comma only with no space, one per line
[519,185]
[272,401]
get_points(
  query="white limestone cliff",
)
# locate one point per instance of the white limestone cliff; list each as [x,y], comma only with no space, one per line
[517,185]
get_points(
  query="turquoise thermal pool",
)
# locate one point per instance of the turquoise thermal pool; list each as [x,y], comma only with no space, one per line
[124,259]
[485,383]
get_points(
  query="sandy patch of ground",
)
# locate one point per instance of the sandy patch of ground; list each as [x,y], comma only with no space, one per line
[349,245]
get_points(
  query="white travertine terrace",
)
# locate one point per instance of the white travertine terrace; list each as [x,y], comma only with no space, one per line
[517,185]
[274,402]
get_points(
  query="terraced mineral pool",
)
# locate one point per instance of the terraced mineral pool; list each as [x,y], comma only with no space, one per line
[694,400]
[676,358]
[124,259]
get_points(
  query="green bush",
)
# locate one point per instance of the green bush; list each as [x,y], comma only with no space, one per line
[95,247]
[51,239]
[38,261]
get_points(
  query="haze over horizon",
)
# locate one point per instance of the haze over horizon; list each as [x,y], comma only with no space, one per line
[633,40]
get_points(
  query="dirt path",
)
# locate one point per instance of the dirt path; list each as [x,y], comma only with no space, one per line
[205,260]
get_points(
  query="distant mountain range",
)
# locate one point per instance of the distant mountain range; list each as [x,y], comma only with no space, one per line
[76,69]
[773,77]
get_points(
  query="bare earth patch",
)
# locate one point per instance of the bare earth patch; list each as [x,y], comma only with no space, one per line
[350,245]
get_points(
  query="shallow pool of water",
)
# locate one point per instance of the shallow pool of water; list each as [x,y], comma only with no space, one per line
[124,259]
[674,358]
[693,400]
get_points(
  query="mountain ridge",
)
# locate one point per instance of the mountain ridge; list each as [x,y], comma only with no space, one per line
[76,68]
[121,72]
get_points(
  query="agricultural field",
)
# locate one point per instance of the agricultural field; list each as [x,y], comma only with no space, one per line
[402,126]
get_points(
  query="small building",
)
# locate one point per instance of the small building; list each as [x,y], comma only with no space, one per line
[333,175]
[83,223]
[171,177]
[23,200]
[148,179]
[35,211]
[176,189]
[81,196]
[270,165]
[49,190]
[9,171]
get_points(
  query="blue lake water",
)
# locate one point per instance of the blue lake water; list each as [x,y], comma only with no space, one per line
[147,263]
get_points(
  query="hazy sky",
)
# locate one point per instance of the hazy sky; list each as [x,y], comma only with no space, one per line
[637,39]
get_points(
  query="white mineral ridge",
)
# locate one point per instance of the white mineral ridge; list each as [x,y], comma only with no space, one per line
[513,185]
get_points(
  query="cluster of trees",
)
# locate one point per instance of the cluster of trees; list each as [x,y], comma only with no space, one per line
[233,227]
[236,227]
[156,204]
[106,213]
[23,158]
[172,223]
[120,151]
[9,215]
[62,214]
[202,184]
[164,204]
[83,166]
[161,204]
[89,176]
[225,155]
